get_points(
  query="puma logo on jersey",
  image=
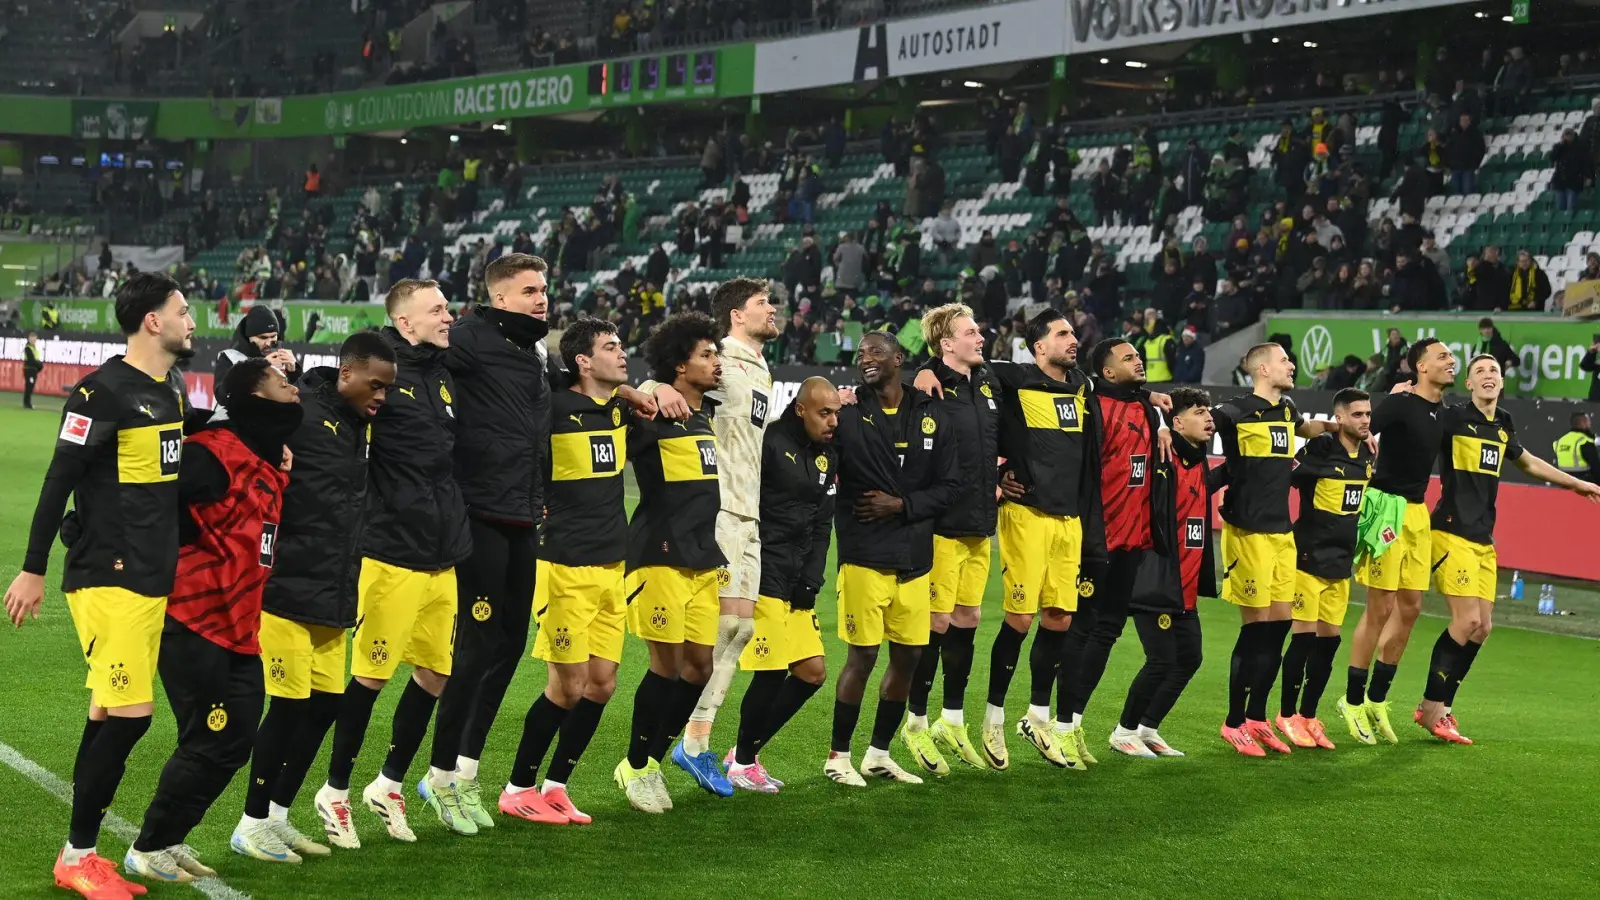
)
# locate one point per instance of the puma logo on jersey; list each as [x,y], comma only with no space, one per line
[409,392]
[86,393]
[792,457]
[868,420]
[331,426]
[574,417]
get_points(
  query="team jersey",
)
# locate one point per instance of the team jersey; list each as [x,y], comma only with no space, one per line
[1126,447]
[1192,504]
[586,523]
[1331,481]
[130,426]
[1473,451]
[676,465]
[1411,428]
[1041,435]
[744,410]
[1258,445]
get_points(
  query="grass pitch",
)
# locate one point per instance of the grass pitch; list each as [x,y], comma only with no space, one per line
[1511,816]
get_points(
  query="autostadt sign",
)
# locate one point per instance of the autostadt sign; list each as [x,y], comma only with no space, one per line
[1116,24]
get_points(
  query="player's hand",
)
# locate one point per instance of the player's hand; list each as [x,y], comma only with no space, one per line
[1372,443]
[283,358]
[876,506]
[288,459]
[1162,402]
[1404,387]
[928,383]
[1011,488]
[670,403]
[1583,489]
[1164,444]
[643,404]
[847,396]
[26,595]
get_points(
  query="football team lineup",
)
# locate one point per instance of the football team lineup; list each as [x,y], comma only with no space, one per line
[275,563]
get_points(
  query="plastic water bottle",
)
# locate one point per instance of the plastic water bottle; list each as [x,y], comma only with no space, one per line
[1516,585]
[1547,600]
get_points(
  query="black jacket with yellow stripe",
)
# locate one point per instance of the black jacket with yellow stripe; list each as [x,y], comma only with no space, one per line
[972,405]
[928,481]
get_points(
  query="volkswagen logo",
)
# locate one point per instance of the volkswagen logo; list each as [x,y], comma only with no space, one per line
[330,115]
[1316,349]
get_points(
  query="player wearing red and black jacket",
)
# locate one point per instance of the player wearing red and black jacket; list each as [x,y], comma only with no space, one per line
[1127,437]
[1173,574]
[231,487]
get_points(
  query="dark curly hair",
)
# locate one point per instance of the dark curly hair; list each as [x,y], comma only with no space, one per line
[673,343]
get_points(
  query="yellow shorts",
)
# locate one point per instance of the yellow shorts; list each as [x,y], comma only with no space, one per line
[1320,599]
[1463,568]
[1258,568]
[670,605]
[583,615]
[120,633]
[875,605]
[960,572]
[405,615]
[1040,559]
[298,658]
[783,637]
[1405,566]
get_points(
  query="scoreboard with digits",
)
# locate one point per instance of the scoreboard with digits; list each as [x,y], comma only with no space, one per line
[672,76]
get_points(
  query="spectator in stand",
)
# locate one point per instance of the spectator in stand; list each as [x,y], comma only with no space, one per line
[1290,156]
[1530,287]
[1513,83]
[1314,284]
[1591,267]
[849,266]
[1464,152]
[1574,170]
[946,234]
[1105,191]
[1438,256]
[984,253]
[1230,311]
[1345,375]
[1189,361]
[1492,343]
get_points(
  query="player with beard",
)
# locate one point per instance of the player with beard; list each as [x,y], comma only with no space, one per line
[1171,577]
[1127,437]
[673,559]
[309,602]
[416,536]
[1331,475]
[117,456]
[231,484]
[799,481]
[1479,438]
[1257,433]
[1396,566]
[498,359]
[961,537]
[743,311]
[898,474]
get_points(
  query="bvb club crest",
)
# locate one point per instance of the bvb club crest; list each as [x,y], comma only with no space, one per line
[761,648]
[616,417]
[119,677]
[1463,578]
[985,390]
[379,653]
[1018,594]
[482,610]
[1249,587]
[724,577]
[1164,622]
[849,624]
[1299,602]
[276,671]
[217,719]
[444,392]
[822,463]
[1085,587]
[658,617]
[562,641]
[928,425]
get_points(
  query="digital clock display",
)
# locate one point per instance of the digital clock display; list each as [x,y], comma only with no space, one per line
[705,67]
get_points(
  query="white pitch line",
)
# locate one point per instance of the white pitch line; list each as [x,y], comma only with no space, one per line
[214,888]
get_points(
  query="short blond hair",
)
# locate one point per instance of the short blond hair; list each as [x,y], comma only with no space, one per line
[401,291]
[940,323]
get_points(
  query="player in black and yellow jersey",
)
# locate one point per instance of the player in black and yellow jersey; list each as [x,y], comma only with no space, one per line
[1331,477]
[1479,439]
[673,559]
[1258,559]
[583,546]
[1410,423]
[799,481]
[117,456]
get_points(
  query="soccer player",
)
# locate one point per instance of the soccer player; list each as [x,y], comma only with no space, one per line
[1410,425]
[799,481]
[961,537]
[746,318]
[1126,438]
[231,484]
[898,474]
[584,548]
[1050,488]
[1258,556]
[309,602]
[673,560]
[1479,438]
[1172,576]
[416,534]
[117,455]
[1331,476]
[498,359]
